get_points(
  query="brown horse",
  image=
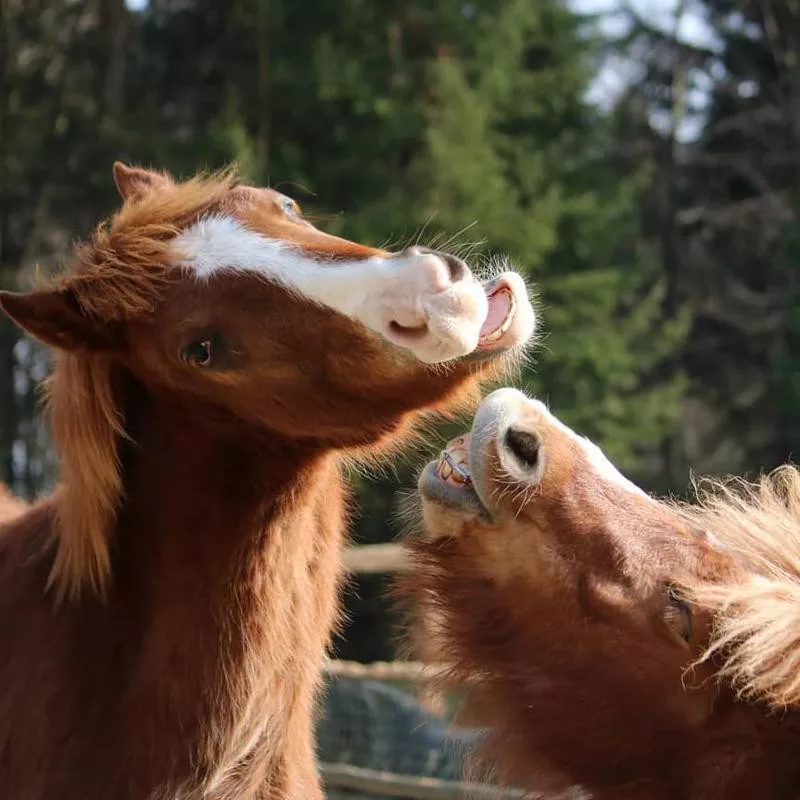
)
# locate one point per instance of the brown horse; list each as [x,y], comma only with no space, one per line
[217,360]
[10,506]
[608,641]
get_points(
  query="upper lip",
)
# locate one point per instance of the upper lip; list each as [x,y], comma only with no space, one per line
[478,454]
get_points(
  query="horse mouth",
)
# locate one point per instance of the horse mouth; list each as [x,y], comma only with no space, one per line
[500,316]
[475,469]
[452,467]
[448,480]
[499,319]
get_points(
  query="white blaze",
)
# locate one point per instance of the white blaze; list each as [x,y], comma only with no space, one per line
[503,406]
[412,290]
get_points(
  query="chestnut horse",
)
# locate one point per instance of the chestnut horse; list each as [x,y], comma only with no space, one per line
[218,359]
[629,647]
[10,506]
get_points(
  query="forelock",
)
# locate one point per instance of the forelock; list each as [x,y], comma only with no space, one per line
[124,269]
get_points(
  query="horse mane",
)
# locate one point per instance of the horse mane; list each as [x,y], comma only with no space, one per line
[757,614]
[118,275]
[121,272]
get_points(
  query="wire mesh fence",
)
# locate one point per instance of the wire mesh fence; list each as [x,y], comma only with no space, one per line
[376,740]
[388,742]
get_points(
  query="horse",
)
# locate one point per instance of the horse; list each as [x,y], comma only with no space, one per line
[610,643]
[218,362]
[10,506]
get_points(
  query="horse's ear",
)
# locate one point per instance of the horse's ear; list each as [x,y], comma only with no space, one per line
[55,317]
[134,183]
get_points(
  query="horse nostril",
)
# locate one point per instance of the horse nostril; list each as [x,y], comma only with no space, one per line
[455,266]
[457,269]
[523,446]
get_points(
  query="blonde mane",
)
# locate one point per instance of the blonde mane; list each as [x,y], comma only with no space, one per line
[118,275]
[757,616]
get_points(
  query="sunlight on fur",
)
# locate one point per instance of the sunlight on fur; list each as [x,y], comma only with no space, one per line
[757,630]
[120,273]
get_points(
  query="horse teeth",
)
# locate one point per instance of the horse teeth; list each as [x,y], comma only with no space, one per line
[501,331]
[445,469]
[453,467]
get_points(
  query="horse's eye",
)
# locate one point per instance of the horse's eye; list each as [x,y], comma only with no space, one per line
[678,614]
[290,208]
[199,353]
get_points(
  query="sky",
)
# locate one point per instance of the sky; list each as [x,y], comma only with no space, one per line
[690,27]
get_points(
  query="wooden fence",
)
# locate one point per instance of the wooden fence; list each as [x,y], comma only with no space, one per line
[387,784]
[372,559]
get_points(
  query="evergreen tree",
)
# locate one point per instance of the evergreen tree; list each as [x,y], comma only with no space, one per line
[727,200]
[746,179]
[514,154]
[514,146]
[56,146]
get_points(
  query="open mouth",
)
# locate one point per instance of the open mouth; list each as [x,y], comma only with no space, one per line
[448,480]
[452,467]
[499,319]
[479,470]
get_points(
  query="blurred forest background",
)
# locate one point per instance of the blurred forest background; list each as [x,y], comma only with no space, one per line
[641,165]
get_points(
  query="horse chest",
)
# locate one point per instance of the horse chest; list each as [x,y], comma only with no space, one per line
[237,745]
[267,697]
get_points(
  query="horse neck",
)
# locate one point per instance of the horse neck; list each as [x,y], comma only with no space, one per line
[222,598]
[749,751]
[225,535]
[744,751]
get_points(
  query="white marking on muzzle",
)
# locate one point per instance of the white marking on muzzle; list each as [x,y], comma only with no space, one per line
[501,408]
[414,290]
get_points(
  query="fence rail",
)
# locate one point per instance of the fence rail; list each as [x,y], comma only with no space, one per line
[407,671]
[387,784]
[374,559]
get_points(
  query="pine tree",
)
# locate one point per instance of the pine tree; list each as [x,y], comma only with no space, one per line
[747,181]
[727,199]
[515,156]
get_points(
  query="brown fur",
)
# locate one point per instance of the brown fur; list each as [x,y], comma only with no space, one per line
[10,506]
[194,540]
[554,620]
